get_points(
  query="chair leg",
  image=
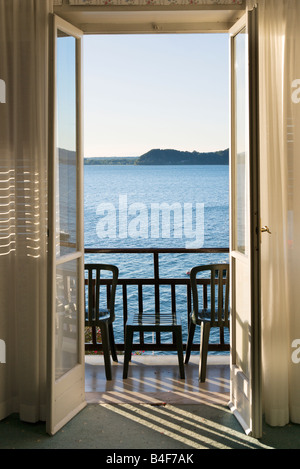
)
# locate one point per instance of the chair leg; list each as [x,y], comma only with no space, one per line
[189,341]
[205,330]
[178,338]
[94,335]
[106,349]
[128,349]
[112,343]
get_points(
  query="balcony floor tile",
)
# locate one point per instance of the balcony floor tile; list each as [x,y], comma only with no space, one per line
[154,379]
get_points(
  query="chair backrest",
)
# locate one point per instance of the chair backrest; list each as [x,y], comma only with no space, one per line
[93,272]
[219,294]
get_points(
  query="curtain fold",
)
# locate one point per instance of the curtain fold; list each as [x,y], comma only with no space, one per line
[280,175]
[23,206]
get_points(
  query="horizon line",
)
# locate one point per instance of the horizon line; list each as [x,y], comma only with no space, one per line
[163,149]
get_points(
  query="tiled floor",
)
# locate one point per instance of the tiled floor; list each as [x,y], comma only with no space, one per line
[153,408]
[154,379]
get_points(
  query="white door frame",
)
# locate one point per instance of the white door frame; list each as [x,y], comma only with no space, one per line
[246,386]
[255,235]
[66,393]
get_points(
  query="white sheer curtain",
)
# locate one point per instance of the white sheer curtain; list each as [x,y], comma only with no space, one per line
[280,207]
[23,206]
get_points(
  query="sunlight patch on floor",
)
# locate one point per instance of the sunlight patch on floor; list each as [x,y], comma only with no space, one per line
[195,431]
[155,379]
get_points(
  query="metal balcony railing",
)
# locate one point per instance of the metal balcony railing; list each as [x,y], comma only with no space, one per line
[157,282]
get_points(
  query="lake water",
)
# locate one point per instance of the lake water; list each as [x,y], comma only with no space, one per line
[161,207]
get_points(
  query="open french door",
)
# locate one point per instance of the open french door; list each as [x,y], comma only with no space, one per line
[65,347]
[245,394]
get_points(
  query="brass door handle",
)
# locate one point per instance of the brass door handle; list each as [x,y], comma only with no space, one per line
[265,229]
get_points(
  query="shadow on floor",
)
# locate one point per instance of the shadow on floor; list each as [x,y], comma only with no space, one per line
[153,409]
[146,426]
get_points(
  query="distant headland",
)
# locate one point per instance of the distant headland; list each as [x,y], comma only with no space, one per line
[166,157]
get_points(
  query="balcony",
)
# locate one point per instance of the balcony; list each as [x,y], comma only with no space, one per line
[165,294]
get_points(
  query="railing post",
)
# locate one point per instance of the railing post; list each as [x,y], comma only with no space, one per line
[205,295]
[156,289]
[141,308]
[156,279]
[125,312]
[173,297]
[124,283]
[189,303]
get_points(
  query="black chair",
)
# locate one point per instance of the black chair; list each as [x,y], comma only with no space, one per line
[153,322]
[215,316]
[103,318]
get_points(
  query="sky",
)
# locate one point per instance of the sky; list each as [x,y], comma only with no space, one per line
[66,93]
[155,91]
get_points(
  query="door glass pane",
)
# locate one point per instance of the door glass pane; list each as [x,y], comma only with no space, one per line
[241,142]
[66,145]
[66,330]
